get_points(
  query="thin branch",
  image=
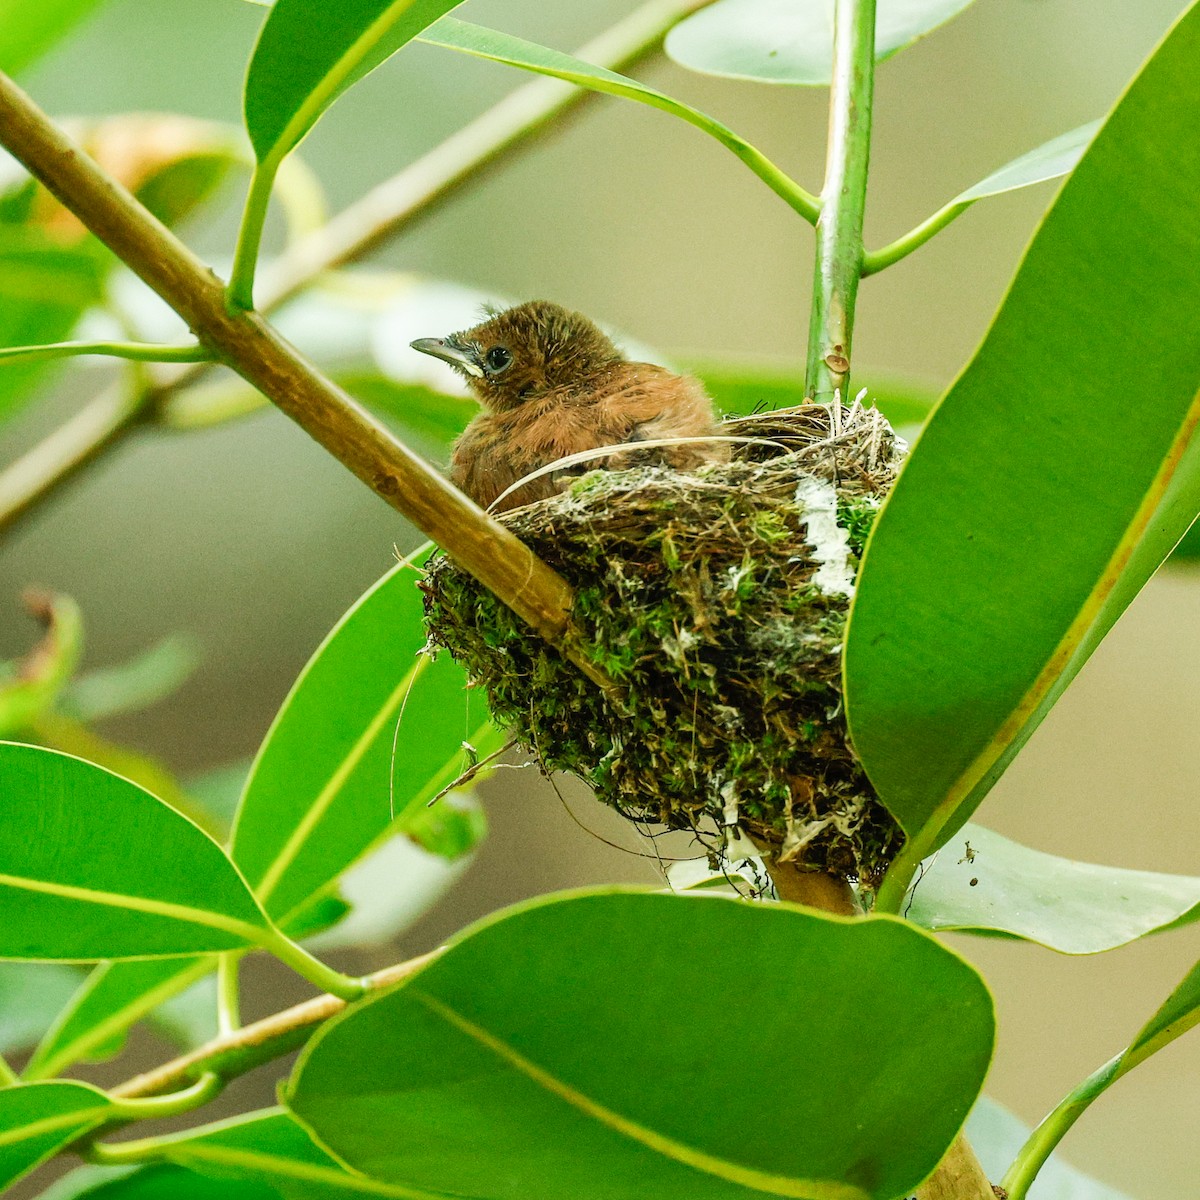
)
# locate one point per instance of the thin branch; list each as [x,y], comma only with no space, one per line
[843,200]
[478,543]
[191,352]
[902,247]
[244,1049]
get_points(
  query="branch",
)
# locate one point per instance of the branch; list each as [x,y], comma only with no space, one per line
[478,543]
[136,351]
[843,199]
[243,1049]
[354,233]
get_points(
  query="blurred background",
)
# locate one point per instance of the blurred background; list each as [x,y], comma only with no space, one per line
[250,540]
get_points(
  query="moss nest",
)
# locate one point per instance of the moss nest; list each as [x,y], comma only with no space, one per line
[717,600]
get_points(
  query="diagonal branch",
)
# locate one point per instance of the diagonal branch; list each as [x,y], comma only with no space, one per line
[244,340]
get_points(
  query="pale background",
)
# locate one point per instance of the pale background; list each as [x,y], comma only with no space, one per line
[254,541]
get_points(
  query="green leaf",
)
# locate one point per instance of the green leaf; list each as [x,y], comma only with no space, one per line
[509,1069]
[1050,160]
[310,51]
[1179,1013]
[92,866]
[114,997]
[746,387]
[1040,498]
[983,883]
[39,1119]
[322,788]
[491,44]
[160,1182]
[27,30]
[30,995]
[996,1136]
[44,290]
[135,684]
[780,41]
[270,1147]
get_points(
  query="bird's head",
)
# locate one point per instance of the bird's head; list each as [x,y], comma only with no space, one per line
[524,353]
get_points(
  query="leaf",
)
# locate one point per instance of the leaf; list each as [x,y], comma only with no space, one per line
[30,995]
[309,52]
[113,998]
[509,1069]
[159,1182]
[270,1147]
[1040,498]
[491,44]
[1179,1013]
[1000,886]
[780,41]
[321,790]
[39,1119]
[996,1136]
[135,684]
[1050,160]
[36,682]
[741,388]
[27,31]
[92,866]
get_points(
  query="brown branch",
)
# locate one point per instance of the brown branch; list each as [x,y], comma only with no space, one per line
[243,1049]
[383,212]
[244,340]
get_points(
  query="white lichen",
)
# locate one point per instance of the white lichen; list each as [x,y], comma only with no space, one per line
[830,542]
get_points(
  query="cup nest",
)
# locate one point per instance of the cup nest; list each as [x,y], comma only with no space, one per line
[717,599]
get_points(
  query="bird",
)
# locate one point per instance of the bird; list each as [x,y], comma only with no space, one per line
[552,384]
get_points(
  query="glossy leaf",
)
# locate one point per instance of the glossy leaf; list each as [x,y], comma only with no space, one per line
[310,51]
[996,1136]
[780,41]
[271,1147]
[30,996]
[741,388]
[1050,160]
[1179,1013]
[508,1069]
[27,31]
[1039,498]
[158,1182]
[113,998]
[92,866]
[984,883]
[322,789]
[495,46]
[39,1119]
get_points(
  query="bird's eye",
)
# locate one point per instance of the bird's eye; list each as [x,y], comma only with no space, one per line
[497,358]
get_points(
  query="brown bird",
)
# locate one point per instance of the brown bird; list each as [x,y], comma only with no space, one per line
[553,385]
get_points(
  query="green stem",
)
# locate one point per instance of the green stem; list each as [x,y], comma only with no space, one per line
[902,247]
[192,352]
[1050,1132]
[8,1077]
[894,887]
[240,292]
[345,987]
[152,1108]
[228,1008]
[843,200]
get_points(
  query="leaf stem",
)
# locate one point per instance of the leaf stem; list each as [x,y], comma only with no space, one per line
[152,1108]
[345,987]
[234,1054]
[1050,1132]
[240,292]
[191,352]
[228,1007]
[902,247]
[839,257]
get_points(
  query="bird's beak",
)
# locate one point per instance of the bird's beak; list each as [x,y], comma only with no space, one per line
[441,348]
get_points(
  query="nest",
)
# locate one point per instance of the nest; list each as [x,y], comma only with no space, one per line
[717,600]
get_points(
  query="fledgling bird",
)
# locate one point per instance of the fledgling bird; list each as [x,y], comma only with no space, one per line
[552,384]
